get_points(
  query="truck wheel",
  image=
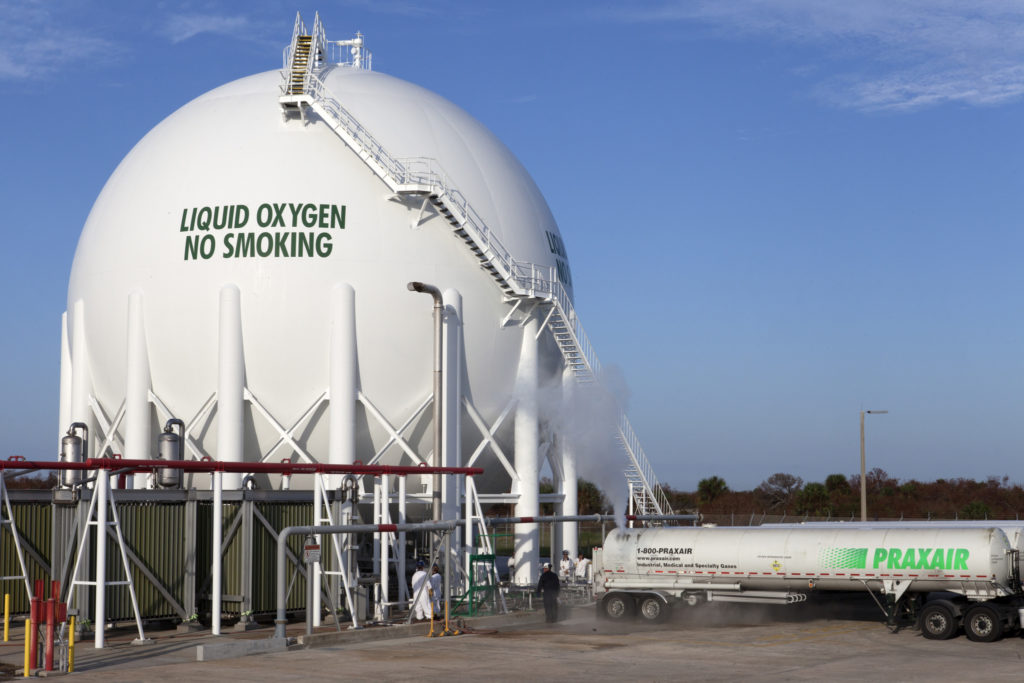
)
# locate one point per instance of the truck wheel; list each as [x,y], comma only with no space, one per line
[983,624]
[937,622]
[618,606]
[654,609]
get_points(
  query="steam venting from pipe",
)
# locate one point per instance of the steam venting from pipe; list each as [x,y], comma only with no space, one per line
[588,421]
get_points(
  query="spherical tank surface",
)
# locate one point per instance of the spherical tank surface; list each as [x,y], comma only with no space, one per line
[228,191]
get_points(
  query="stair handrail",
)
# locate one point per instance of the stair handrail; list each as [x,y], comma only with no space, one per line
[318,46]
[424,174]
[299,29]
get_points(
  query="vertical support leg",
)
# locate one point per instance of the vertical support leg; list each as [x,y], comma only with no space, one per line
[314,568]
[341,448]
[403,587]
[101,490]
[190,555]
[138,437]
[527,433]
[230,384]
[385,545]
[451,397]
[570,490]
[218,559]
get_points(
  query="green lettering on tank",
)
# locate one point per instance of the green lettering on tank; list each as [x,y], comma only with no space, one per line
[938,560]
[909,560]
[961,559]
[880,555]
[895,555]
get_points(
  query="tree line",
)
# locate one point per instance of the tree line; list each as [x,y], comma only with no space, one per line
[838,496]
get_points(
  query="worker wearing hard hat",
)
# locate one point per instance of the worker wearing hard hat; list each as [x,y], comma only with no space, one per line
[566,567]
[421,592]
[548,586]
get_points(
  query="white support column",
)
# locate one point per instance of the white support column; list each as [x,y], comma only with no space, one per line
[527,435]
[217,578]
[230,384]
[315,570]
[64,411]
[451,410]
[570,489]
[403,588]
[385,544]
[376,520]
[80,380]
[138,432]
[343,389]
[100,490]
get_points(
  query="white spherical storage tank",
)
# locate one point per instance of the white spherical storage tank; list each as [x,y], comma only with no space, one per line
[245,270]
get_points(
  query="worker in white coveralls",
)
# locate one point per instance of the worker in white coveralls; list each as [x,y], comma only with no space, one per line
[420,592]
[435,587]
[582,569]
[566,568]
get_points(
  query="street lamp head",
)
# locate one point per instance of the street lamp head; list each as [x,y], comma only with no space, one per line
[876,412]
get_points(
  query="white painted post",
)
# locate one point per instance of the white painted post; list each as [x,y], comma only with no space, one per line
[403,588]
[314,568]
[218,559]
[100,490]
[230,384]
[138,432]
[527,434]
[341,448]
[451,396]
[385,543]
[570,488]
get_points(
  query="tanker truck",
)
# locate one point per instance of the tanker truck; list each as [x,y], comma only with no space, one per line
[971,572]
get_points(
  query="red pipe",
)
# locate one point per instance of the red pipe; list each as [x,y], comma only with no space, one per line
[51,613]
[243,467]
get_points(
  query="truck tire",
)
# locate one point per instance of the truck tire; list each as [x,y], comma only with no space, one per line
[654,609]
[937,622]
[983,624]
[618,606]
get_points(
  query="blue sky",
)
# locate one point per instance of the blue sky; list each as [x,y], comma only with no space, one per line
[778,212]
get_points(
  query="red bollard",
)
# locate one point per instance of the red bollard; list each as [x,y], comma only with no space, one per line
[51,613]
[33,634]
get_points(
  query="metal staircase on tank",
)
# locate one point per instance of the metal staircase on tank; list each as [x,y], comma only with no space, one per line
[518,280]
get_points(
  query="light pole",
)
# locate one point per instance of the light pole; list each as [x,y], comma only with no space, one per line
[863,480]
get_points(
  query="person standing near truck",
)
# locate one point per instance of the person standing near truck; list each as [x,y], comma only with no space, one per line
[548,586]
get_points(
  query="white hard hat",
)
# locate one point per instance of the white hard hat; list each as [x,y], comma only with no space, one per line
[547,565]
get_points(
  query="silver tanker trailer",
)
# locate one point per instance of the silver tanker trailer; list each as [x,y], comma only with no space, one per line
[646,572]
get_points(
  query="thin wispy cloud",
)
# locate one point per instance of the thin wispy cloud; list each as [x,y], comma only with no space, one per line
[887,54]
[180,27]
[33,43]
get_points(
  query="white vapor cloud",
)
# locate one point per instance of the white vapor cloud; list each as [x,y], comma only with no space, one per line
[889,54]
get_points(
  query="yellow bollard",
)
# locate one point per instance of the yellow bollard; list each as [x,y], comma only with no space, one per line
[7,615]
[71,645]
[28,624]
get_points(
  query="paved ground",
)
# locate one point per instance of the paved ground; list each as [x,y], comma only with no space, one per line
[842,641]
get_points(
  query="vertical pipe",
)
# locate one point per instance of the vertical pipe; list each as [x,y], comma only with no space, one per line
[7,615]
[32,634]
[527,433]
[100,491]
[385,544]
[27,668]
[137,414]
[343,388]
[64,411]
[51,615]
[451,373]
[570,480]
[80,388]
[376,520]
[403,588]
[230,384]
[467,515]
[314,567]
[218,558]
[71,644]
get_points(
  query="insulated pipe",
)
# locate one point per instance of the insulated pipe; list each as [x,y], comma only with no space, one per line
[138,430]
[570,483]
[238,467]
[491,521]
[282,556]
[230,383]
[64,412]
[341,448]
[438,390]
[527,436]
